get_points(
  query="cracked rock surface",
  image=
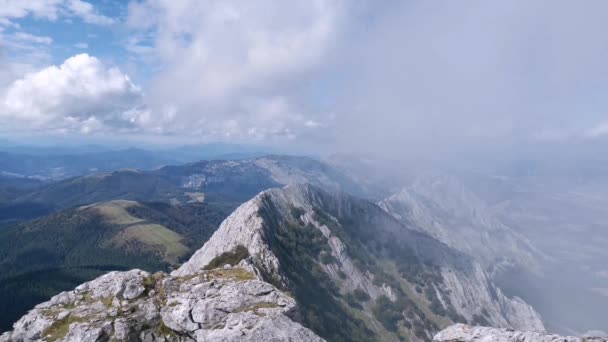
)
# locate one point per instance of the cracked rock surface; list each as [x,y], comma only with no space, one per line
[215,305]
[467,333]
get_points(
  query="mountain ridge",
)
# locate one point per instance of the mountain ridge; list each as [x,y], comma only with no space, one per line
[257,215]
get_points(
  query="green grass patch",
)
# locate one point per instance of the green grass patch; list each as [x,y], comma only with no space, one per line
[59,329]
[155,236]
[235,273]
[232,257]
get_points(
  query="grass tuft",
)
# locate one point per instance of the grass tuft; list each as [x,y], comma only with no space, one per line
[233,257]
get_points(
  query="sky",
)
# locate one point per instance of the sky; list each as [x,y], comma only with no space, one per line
[356,75]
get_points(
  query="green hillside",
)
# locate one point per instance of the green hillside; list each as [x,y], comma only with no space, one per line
[43,257]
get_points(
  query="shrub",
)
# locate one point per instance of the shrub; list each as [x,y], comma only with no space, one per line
[388,313]
[361,295]
[233,257]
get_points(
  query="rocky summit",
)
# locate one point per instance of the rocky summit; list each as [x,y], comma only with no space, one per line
[224,304]
[467,333]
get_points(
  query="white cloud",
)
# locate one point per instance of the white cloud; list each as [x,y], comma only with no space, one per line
[21,53]
[47,9]
[50,10]
[226,65]
[23,41]
[81,45]
[417,73]
[86,11]
[30,38]
[82,94]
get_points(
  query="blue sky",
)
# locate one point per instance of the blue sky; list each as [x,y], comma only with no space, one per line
[71,35]
[316,74]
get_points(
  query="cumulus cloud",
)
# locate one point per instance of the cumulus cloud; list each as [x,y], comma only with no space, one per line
[227,66]
[417,73]
[421,74]
[435,76]
[80,95]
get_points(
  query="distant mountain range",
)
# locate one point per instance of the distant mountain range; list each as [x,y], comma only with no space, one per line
[47,163]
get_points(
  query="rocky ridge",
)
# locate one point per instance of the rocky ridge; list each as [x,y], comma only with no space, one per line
[454,288]
[223,304]
[467,333]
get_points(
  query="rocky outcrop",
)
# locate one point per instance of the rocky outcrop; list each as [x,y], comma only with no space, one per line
[466,333]
[226,304]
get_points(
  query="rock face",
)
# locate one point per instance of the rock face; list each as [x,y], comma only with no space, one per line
[445,209]
[215,305]
[466,333]
[361,247]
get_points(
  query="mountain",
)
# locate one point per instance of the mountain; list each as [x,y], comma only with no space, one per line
[356,272]
[57,167]
[57,163]
[221,181]
[124,184]
[465,333]
[296,263]
[558,203]
[40,258]
[244,179]
[445,209]
[11,188]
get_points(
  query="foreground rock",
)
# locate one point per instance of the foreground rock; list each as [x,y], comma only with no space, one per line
[467,333]
[217,305]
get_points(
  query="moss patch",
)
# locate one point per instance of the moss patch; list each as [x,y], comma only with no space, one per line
[235,273]
[229,258]
[59,329]
[257,306]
